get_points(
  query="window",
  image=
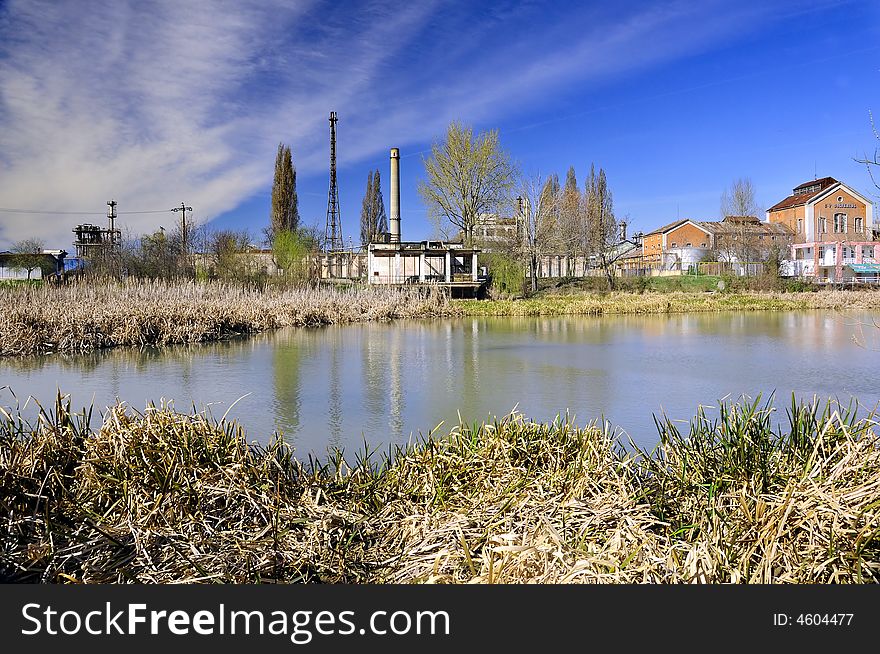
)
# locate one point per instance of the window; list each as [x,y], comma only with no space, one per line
[857,224]
[702,245]
[868,251]
[800,226]
[823,225]
[688,245]
[674,244]
[839,223]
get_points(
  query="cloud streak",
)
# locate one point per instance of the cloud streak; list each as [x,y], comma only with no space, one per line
[156,102]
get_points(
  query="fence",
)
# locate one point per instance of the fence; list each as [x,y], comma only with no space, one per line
[748,269]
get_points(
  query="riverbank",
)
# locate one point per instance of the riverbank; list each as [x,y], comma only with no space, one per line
[88,316]
[165,497]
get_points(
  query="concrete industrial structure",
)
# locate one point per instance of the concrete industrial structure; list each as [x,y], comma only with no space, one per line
[92,242]
[392,261]
[835,236]
[50,262]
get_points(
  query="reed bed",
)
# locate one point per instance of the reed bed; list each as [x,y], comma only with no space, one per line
[672,302]
[163,497]
[88,316]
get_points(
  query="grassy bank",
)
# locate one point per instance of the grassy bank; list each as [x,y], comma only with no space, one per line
[671,302]
[91,315]
[162,497]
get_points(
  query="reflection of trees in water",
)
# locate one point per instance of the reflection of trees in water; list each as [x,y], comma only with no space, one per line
[288,350]
[335,410]
[374,368]
[396,375]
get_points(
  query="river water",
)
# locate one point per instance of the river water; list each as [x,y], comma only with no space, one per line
[381,383]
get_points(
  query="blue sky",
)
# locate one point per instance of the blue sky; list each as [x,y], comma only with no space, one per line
[154,103]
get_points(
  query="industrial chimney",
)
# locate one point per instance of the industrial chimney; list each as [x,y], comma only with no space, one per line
[394,221]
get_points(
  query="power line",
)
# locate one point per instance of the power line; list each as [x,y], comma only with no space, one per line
[74,213]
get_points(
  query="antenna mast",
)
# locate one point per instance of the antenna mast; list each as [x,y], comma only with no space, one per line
[333,232]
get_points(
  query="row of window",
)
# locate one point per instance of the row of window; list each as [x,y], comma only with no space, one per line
[840,224]
[847,251]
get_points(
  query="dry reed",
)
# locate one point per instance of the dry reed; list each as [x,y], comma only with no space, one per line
[167,497]
[87,316]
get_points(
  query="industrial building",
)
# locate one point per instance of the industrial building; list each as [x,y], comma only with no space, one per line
[391,261]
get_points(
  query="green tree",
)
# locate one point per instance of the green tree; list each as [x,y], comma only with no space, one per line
[466,176]
[291,250]
[28,255]
[285,205]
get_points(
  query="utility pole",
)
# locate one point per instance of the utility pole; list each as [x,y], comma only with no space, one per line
[183,209]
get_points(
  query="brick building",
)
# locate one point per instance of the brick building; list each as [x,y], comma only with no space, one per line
[833,229]
[684,243]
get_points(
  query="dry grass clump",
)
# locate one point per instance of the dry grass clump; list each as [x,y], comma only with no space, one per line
[87,316]
[670,302]
[167,497]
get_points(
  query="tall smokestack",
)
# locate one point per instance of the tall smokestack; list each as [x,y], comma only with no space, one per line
[394,220]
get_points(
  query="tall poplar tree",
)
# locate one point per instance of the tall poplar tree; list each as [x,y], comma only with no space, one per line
[570,215]
[380,219]
[367,212]
[374,220]
[285,205]
[601,224]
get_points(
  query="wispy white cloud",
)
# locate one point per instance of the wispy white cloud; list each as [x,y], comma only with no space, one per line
[157,102]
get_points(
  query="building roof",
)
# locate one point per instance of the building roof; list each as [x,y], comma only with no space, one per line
[802,193]
[666,228]
[735,227]
[741,219]
[631,254]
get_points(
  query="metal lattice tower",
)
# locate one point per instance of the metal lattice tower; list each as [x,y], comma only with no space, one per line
[333,232]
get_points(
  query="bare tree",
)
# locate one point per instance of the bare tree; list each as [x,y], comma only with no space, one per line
[738,202]
[227,247]
[466,177]
[538,204]
[872,162]
[28,255]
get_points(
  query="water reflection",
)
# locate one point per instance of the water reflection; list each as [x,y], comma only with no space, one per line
[383,383]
